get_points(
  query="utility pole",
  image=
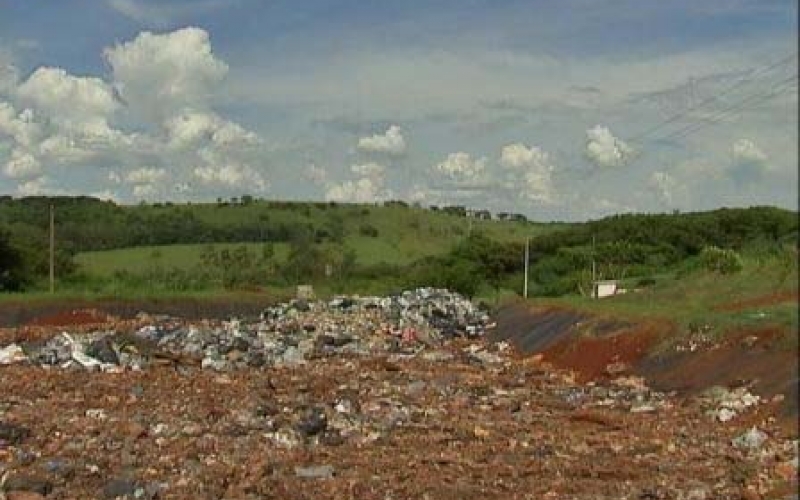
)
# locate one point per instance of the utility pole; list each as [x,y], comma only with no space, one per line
[527,255]
[52,249]
[594,269]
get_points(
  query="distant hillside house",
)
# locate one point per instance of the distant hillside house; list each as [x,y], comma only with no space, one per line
[605,288]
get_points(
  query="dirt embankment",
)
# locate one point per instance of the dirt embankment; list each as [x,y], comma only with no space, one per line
[600,347]
[77,312]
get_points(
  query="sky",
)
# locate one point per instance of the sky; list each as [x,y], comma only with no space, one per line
[567,110]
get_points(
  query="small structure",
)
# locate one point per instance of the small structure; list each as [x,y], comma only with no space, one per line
[605,288]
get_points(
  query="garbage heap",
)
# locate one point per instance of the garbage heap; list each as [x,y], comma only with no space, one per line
[286,334]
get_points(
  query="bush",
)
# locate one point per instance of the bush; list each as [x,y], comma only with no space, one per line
[720,260]
[368,230]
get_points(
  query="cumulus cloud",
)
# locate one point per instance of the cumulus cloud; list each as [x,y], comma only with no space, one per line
[363,190]
[531,172]
[22,165]
[78,103]
[35,187]
[461,166]
[750,162]
[22,127]
[231,175]
[145,191]
[146,175]
[162,84]
[190,128]
[371,170]
[165,73]
[745,150]
[391,142]
[605,150]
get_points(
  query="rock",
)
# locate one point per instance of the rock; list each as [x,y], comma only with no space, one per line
[12,354]
[12,433]
[726,415]
[26,483]
[59,467]
[313,422]
[102,350]
[315,472]
[120,488]
[752,439]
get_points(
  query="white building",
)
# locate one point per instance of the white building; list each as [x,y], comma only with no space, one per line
[605,288]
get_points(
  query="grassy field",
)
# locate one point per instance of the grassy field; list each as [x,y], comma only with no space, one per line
[763,294]
[403,236]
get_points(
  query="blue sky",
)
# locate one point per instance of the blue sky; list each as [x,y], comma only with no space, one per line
[537,107]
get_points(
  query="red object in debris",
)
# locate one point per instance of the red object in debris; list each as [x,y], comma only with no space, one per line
[409,335]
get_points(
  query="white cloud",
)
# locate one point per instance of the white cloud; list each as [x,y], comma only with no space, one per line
[162,84]
[145,191]
[65,149]
[34,187]
[165,73]
[745,150]
[23,128]
[605,150]
[533,164]
[461,166]
[358,191]
[232,176]
[22,165]
[518,155]
[82,104]
[371,170]
[190,128]
[392,142]
[146,175]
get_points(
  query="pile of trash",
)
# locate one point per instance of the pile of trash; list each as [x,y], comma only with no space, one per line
[286,334]
[725,404]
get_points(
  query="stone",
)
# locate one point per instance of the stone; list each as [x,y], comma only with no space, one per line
[120,488]
[315,472]
[752,439]
[102,350]
[13,433]
[313,422]
[27,483]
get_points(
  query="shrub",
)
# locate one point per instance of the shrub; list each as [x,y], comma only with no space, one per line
[720,260]
[368,230]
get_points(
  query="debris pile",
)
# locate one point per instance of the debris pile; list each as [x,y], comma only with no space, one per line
[358,397]
[286,334]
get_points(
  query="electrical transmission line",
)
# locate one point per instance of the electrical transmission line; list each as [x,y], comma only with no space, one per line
[751,99]
[710,99]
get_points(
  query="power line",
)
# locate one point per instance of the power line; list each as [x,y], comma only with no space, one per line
[742,104]
[710,99]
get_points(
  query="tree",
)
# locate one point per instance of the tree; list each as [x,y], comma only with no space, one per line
[11,266]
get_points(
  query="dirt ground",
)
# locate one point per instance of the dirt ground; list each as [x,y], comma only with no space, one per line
[443,427]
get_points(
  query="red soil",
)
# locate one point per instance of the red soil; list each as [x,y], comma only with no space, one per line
[764,300]
[77,317]
[590,356]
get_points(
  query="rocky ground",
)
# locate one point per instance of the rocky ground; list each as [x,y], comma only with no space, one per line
[374,398]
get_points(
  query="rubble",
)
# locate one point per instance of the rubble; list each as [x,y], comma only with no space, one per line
[358,397]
